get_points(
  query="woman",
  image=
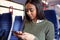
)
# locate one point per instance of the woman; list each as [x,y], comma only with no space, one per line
[36,26]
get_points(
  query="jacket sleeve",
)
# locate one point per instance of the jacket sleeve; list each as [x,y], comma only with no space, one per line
[50,32]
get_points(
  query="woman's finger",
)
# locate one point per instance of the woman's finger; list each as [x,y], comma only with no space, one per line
[19,33]
[21,36]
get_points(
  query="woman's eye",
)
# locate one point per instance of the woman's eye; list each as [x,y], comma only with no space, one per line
[31,10]
[26,10]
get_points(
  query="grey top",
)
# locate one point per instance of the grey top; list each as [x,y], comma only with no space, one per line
[42,31]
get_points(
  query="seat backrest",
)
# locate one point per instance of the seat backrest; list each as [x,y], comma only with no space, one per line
[17,23]
[17,26]
[6,22]
[51,16]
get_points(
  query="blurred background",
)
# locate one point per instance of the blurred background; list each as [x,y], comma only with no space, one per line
[17,9]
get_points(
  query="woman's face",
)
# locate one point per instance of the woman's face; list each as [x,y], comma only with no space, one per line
[31,11]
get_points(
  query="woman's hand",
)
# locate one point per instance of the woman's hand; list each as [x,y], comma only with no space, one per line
[25,35]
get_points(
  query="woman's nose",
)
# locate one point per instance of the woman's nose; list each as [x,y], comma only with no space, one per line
[29,12]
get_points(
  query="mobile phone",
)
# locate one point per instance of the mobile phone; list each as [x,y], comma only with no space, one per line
[17,33]
[14,32]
